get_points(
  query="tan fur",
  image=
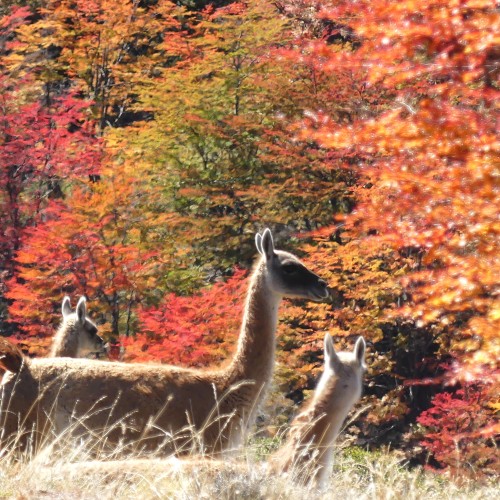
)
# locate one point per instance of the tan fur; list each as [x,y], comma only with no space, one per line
[307,452]
[154,401]
[308,449]
[77,336]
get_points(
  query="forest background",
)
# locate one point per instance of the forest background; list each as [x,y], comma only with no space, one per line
[144,142]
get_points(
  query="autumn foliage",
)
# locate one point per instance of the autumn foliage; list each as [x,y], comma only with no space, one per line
[200,330]
[460,428]
[143,143]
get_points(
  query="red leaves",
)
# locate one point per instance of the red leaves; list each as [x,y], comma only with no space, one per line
[16,18]
[40,149]
[460,429]
[200,330]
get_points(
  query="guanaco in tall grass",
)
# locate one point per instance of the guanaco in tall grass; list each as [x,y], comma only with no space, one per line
[306,454]
[308,450]
[77,335]
[152,402]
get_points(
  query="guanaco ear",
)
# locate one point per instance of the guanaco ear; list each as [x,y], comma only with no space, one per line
[66,306]
[359,351]
[267,244]
[331,357]
[81,310]
[258,243]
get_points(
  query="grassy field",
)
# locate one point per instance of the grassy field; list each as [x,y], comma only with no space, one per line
[56,472]
[78,464]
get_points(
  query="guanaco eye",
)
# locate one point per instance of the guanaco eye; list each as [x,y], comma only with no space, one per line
[92,331]
[290,268]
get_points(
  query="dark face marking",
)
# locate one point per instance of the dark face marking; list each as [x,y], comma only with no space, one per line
[94,339]
[296,274]
[291,268]
[290,278]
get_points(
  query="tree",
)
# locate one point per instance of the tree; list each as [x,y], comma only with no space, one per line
[436,158]
[101,47]
[428,162]
[209,116]
[95,243]
[219,143]
[41,151]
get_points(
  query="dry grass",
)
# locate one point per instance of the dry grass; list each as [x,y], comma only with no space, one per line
[69,466]
[62,470]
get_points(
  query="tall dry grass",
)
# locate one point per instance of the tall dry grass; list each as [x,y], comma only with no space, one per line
[68,468]
[80,465]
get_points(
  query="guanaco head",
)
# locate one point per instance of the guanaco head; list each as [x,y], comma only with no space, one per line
[343,373]
[11,357]
[288,275]
[85,329]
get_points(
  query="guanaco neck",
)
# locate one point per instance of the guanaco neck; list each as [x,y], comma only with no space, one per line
[319,424]
[254,358]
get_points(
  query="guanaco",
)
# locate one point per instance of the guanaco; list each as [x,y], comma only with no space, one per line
[77,335]
[308,450]
[153,402]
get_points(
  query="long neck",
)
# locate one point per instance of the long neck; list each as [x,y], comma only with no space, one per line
[254,358]
[65,341]
[309,446]
[320,423]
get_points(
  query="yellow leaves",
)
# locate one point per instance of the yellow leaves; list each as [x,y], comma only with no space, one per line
[487,356]
[444,300]
[496,407]
[494,312]
[105,329]
[431,316]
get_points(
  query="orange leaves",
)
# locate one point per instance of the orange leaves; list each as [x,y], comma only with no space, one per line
[434,189]
[416,260]
[435,40]
[89,245]
[430,157]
